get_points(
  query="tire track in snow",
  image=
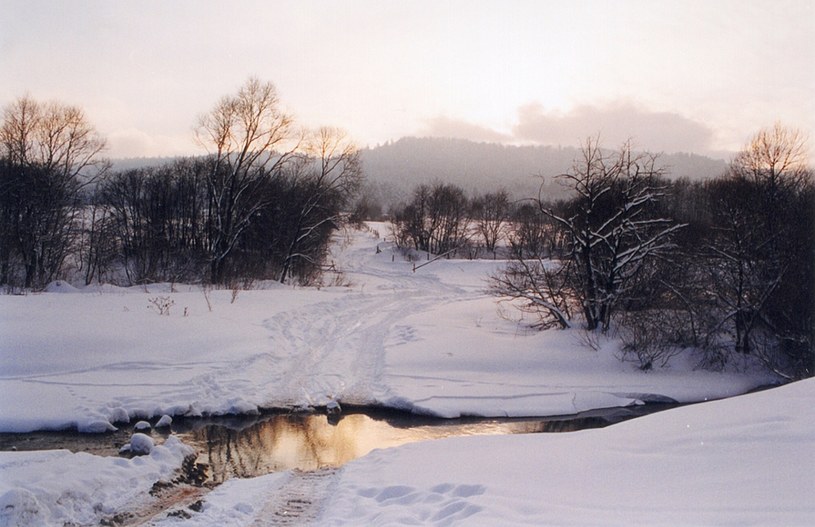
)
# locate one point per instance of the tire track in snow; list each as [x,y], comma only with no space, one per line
[300,500]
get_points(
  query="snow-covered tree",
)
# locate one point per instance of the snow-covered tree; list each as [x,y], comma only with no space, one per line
[328,175]
[612,228]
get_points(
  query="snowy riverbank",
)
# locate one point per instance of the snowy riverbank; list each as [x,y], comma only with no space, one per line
[429,342]
[741,461]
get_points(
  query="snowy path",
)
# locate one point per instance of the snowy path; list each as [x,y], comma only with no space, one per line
[300,500]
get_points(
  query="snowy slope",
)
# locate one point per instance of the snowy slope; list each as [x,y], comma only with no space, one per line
[741,461]
[429,341]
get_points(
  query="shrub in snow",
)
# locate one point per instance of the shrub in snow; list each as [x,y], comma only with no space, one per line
[162,304]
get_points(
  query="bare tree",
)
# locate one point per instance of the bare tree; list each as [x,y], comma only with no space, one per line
[537,286]
[330,172]
[759,259]
[250,139]
[531,232]
[491,212]
[156,217]
[611,229]
[55,136]
[435,220]
[51,152]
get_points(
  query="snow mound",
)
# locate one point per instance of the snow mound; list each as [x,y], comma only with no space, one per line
[164,422]
[94,426]
[739,461]
[142,425]
[21,508]
[119,415]
[60,286]
[140,444]
[57,487]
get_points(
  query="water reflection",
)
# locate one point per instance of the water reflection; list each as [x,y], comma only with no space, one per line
[252,446]
[244,448]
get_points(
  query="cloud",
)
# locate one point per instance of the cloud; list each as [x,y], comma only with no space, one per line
[460,129]
[615,123]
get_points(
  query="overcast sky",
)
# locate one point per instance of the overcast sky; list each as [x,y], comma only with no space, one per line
[699,76]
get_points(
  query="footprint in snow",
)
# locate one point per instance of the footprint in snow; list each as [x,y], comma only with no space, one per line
[442,504]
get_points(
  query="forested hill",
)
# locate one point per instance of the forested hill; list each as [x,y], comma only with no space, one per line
[398,166]
[392,170]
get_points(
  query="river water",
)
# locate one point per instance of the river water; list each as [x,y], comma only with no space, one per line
[255,445]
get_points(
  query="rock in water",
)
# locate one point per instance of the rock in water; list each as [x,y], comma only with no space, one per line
[333,407]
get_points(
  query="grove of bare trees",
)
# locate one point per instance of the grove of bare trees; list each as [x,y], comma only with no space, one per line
[49,153]
[262,204]
[725,267]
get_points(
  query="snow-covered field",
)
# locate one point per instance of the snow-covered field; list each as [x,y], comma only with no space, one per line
[430,342]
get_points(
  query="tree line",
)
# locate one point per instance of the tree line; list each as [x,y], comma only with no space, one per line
[262,204]
[724,266]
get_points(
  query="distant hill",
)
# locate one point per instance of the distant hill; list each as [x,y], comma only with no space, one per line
[129,163]
[394,169]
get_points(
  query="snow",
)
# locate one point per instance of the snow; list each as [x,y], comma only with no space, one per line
[57,487]
[140,444]
[741,461]
[430,342]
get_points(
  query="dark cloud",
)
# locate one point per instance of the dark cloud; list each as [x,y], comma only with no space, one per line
[459,129]
[615,123]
